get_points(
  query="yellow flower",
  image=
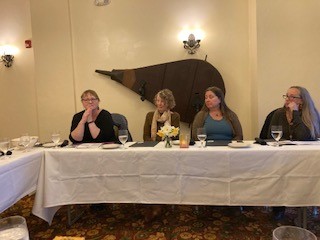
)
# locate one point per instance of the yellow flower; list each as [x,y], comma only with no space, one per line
[168,131]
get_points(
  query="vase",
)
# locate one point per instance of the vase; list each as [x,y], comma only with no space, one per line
[167,142]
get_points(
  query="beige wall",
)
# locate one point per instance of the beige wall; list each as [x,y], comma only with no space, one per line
[250,42]
[18,97]
[288,50]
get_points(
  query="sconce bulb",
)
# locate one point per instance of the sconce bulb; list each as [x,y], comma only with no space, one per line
[192,44]
[191,40]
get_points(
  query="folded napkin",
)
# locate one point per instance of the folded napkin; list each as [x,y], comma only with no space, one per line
[145,144]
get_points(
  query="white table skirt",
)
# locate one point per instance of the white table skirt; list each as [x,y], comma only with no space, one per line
[18,176]
[257,176]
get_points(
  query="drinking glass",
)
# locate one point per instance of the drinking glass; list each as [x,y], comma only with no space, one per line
[202,136]
[123,137]
[4,146]
[14,227]
[24,141]
[55,137]
[276,133]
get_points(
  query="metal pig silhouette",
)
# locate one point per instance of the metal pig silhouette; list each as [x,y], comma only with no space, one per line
[187,79]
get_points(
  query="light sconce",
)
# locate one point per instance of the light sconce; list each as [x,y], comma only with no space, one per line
[192,44]
[7,53]
[7,59]
[101,2]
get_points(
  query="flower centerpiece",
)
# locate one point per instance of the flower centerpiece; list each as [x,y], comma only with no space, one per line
[166,133]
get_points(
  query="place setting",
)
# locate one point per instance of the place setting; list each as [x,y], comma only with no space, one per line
[56,141]
[123,138]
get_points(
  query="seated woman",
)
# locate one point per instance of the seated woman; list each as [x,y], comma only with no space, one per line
[164,101]
[92,124]
[298,117]
[217,118]
[300,121]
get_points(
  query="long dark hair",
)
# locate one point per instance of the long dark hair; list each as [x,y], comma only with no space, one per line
[225,110]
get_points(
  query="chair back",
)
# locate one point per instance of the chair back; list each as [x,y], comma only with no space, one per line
[266,126]
[121,123]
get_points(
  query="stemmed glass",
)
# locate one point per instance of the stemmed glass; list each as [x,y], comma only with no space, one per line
[24,141]
[55,137]
[202,136]
[276,133]
[123,137]
[4,146]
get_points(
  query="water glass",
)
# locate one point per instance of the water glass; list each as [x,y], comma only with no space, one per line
[14,228]
[55,137]
[123,137]
[202,136]
[24,141]
[276,133]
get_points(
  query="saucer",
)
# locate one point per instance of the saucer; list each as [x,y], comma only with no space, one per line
[239,145]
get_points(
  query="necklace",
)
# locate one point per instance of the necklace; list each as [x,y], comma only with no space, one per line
[215,114]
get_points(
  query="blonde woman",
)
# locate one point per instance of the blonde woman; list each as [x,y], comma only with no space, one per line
[298,117]
[93,124]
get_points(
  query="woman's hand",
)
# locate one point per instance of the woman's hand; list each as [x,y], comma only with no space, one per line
[293,106]
[87,115]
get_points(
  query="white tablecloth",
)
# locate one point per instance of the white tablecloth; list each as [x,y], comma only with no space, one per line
[258,176]
[18,176]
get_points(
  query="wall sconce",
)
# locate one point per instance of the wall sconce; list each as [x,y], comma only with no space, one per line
[101,2]
[192,44]
[7,59]
[7,53]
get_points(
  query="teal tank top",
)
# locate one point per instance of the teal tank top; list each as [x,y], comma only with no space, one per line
[217,129]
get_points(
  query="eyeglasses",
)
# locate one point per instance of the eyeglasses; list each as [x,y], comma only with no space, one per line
[89,99]
[291,97]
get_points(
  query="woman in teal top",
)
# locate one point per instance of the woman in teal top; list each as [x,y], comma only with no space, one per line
[217,129]
[220,122]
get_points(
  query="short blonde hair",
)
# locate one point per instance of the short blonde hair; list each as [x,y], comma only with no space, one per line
[91,92]
[167,96]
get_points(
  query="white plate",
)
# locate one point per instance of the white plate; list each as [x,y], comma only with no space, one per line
[110,146]
[176,142]
[50,145]
[239,145]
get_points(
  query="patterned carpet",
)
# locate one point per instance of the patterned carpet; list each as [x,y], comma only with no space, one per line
[179,222]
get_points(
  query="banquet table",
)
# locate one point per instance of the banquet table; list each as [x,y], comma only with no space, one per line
[18,176]
[253,176]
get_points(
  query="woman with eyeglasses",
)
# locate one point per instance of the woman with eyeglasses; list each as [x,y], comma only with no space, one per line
[300,121]
[92,124]
[298,117]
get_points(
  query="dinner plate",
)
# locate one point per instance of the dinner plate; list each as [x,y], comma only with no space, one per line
[50,145]
[110,146]
[239,145]
[176,142]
